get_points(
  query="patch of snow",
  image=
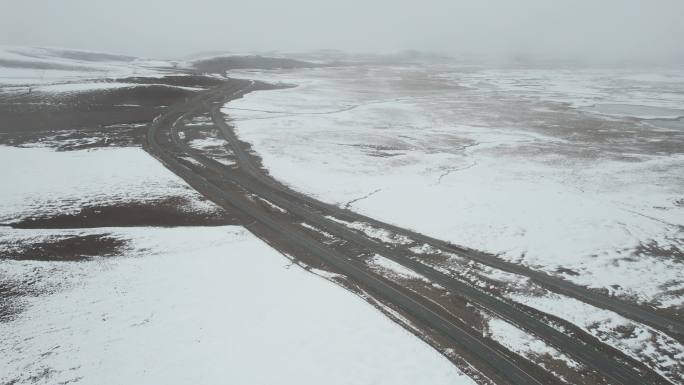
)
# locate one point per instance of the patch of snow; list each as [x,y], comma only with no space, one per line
[316,229]
[375,232]
[394,268]
[425,249]
[326,274]
[526,344]
[213,147]
[273,205]
[206,143]
[192,160]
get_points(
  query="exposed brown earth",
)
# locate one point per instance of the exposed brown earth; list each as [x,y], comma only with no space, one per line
[166,213]
[65,248]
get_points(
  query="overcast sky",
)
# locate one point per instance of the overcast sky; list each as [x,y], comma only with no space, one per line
[647,30]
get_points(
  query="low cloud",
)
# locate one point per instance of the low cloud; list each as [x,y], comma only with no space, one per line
[582,30]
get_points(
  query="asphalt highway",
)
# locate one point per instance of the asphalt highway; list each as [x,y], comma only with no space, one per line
[230,187]
[632,311]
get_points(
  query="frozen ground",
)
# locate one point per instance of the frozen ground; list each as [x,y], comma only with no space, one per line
[528,164]
[44,182]
[537,166]
[179,305]
[206,305]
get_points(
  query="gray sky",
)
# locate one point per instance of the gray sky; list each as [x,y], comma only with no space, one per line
[601,30]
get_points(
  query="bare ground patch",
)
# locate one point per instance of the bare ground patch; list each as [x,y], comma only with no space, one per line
[165,213]
[53,249]
[68,248]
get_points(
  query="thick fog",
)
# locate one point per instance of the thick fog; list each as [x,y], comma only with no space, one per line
[586,30]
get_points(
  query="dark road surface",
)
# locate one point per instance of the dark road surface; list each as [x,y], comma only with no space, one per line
[232,188]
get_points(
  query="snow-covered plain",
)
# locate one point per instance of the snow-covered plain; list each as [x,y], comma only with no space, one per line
[530,164]
[205,306]
[200,305]
[507,161]
[34,66]
[44,182]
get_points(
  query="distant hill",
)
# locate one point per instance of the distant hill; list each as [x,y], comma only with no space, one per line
[225,63]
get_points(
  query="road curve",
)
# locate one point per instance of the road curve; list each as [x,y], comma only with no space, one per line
[252,179]
[494,356]
[671,326]
[269,189]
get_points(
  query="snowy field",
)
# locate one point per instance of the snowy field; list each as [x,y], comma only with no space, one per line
[181,305]
[52,67]
[207,305]
[575,172]
[44,182]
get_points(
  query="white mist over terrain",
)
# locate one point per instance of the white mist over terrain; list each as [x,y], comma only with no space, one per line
[611,31]
[545,134]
